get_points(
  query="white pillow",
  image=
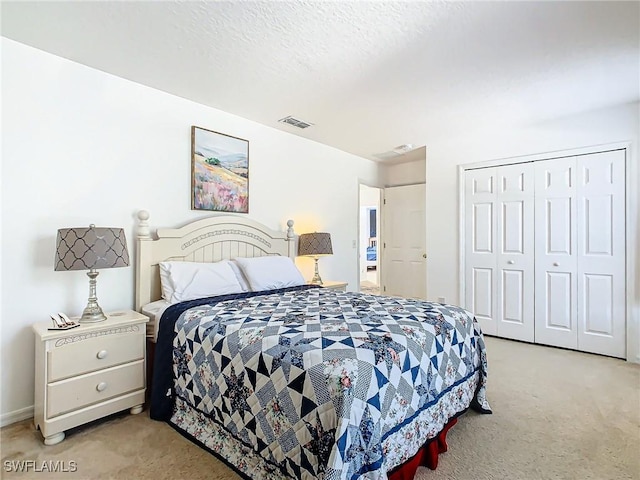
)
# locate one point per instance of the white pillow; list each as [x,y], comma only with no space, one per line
[189,280]
[270,272]
[240,276]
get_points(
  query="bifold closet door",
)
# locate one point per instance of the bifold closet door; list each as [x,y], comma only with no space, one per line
[555,253]
[515,252]
[580,279]
[601,259]
[480,247]
[545,251]
[499,249]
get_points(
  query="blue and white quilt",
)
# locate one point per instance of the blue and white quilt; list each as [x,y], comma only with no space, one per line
[309,383]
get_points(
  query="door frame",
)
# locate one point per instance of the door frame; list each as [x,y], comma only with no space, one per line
[632,319]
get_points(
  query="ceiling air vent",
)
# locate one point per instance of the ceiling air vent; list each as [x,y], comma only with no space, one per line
[296,122]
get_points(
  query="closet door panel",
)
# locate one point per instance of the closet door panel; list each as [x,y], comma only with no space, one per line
[482,293]
[555,253]
[557,215]
[480,246]
[515,252]
[601,253]
[560,304]
[513,298]
[596,316]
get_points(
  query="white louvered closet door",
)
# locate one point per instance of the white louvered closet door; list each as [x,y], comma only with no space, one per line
[515,252]
[601,253]
[555,253]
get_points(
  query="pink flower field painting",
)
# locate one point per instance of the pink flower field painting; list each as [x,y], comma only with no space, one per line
[219,172]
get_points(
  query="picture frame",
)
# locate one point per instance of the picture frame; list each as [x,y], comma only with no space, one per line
[219,171]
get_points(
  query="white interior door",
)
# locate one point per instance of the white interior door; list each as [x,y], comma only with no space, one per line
[555,253]
[515,255]
[480,247]
[404,242]
[601,253]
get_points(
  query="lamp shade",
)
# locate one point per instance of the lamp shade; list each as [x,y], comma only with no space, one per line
[92,247]
[315,244]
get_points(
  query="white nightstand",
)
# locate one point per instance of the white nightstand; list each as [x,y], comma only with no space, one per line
[340,286]
[88,372]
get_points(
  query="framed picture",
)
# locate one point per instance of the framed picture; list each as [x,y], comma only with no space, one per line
[219,172]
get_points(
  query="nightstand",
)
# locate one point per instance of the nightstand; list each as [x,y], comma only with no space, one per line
[340,286]
[88,372]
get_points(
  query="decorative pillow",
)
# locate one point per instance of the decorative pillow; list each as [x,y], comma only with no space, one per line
[189,280]
[270,272]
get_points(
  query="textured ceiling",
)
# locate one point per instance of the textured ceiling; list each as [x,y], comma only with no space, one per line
[369,75]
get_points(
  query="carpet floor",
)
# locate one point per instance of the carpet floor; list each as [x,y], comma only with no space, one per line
[558,414]
[369,287]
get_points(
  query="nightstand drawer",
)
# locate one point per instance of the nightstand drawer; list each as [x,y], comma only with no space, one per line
[94,354]
[74,393]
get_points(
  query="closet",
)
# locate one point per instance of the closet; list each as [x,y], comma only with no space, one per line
[544,247]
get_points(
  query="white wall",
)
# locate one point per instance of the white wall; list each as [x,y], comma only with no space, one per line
[406,173]
[81,146]
[619,124]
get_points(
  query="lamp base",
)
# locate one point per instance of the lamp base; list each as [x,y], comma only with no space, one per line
[92,312]
[316,280]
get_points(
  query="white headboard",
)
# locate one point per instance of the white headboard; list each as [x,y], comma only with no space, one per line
[209,239]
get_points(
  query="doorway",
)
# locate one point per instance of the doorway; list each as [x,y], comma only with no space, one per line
[369,240]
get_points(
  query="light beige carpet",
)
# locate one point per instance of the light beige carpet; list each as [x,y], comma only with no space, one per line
[369,287]
[557,415]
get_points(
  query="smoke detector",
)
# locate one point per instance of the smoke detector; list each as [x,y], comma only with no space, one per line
[296,122]
[401,149]
[396,152]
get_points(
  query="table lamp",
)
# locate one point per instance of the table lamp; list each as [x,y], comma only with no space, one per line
[90,249]
[315,245]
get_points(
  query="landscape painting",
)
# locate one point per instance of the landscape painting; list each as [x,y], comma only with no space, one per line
[219,172]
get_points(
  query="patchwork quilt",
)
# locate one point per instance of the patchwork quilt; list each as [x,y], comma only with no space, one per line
[310,383]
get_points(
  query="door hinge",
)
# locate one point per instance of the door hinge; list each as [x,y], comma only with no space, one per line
[384,244]
[384,201]
[384,289]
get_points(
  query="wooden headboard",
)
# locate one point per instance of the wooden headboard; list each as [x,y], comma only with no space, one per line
[209,239]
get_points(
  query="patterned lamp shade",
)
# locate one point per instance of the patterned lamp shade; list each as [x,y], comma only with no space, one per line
[315,244]
[91,248]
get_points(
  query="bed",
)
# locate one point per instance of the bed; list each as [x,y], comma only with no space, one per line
[303,382]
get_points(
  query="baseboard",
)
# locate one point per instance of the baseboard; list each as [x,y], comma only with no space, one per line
[16,416]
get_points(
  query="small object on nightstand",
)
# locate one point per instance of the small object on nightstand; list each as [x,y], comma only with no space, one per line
[62,322]
[65,319]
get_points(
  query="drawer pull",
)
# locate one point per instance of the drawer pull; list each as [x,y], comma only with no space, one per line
[101,387]
[102,354]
